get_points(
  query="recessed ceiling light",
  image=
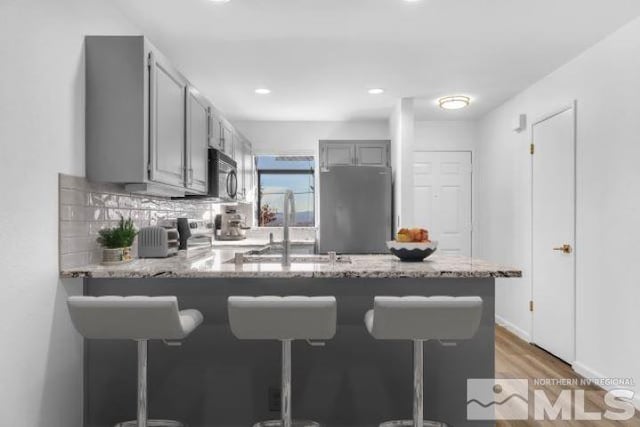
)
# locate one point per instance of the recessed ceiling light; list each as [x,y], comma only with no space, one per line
[262,91]
[376,91]
[454,102]
[219,1]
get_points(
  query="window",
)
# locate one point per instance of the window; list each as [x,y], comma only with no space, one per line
[276,174]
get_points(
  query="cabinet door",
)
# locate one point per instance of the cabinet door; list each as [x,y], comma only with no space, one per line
[216,132]
[197,144]
[338,154]
[167,123]
[372,154]
[239,150]
[227,140]
[248,171]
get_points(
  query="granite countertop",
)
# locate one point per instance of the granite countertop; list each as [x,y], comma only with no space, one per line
[214,264]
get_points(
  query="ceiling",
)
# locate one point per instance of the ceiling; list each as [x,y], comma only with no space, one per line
[319,57]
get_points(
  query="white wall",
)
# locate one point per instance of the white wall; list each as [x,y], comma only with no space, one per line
[402,130]
[606,84]
[445,136]
[279,137]
[449,136]
[41,134]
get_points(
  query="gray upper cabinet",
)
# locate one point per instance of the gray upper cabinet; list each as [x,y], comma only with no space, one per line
[198,136]
[354,153]
[136,116]
[167,123]
[146,126]
[249,171]
[375,153]
[228,139]
[244,159]
[338,154]
[216,131]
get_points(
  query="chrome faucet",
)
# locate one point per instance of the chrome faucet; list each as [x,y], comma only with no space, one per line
[289,215]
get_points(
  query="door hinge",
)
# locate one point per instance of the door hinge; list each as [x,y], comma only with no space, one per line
[532,149]
[530,305]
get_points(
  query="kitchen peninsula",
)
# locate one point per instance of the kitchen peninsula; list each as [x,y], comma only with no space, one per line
[215,379]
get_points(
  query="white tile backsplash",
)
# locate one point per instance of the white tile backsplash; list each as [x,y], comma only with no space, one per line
[86,207]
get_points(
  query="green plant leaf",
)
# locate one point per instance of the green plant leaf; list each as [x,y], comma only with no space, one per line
[121,236]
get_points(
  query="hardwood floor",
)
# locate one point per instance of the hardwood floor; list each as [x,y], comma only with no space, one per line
[516,358]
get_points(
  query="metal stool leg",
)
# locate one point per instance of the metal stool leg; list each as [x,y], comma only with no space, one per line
[285,404]
[418,394]
[142,419]
[285,396]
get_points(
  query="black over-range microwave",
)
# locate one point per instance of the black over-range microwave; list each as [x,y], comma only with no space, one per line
[223,177]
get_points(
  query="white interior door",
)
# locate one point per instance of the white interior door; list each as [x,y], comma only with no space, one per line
[553,234]
[442,198]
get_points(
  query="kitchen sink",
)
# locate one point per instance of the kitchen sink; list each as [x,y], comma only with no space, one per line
[276,249]
[295,259]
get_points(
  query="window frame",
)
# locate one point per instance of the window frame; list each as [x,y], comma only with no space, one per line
[311,172]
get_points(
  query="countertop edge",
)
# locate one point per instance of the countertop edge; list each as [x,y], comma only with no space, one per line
[291,275]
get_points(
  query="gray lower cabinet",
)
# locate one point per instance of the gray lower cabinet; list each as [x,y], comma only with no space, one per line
[198,136]
[354,153]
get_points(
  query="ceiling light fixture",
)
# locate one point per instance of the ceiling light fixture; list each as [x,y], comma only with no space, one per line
[219,1]
[376,91]
[262,91]
[454,102]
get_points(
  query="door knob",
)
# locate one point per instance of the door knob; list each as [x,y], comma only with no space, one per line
[566,248]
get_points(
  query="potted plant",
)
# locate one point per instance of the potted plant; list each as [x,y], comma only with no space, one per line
[117,241]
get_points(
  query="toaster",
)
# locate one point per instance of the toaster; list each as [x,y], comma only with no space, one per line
[157,242]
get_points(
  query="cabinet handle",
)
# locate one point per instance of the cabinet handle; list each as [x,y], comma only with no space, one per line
[153,111]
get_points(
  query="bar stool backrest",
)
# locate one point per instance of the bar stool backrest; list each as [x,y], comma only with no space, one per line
[426,318]
[283,318]
[131,317]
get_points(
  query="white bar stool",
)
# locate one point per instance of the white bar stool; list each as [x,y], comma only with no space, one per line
[419,319]
[138,318]
[284,319]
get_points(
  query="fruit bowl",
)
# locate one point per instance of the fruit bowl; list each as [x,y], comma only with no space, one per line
[412,251]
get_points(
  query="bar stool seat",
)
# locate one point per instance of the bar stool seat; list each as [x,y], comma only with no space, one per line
[139,318]
[418,319]
[285,319]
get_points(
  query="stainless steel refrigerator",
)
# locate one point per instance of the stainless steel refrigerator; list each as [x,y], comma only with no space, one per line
[355,209]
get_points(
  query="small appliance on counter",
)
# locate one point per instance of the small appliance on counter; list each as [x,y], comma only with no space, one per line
[192,233]
[230,225]
[157,242]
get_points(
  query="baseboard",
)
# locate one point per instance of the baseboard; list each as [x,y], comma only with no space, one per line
[586,372]
[519,332]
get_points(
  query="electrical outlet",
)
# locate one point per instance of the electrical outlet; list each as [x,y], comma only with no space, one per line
[274,397]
